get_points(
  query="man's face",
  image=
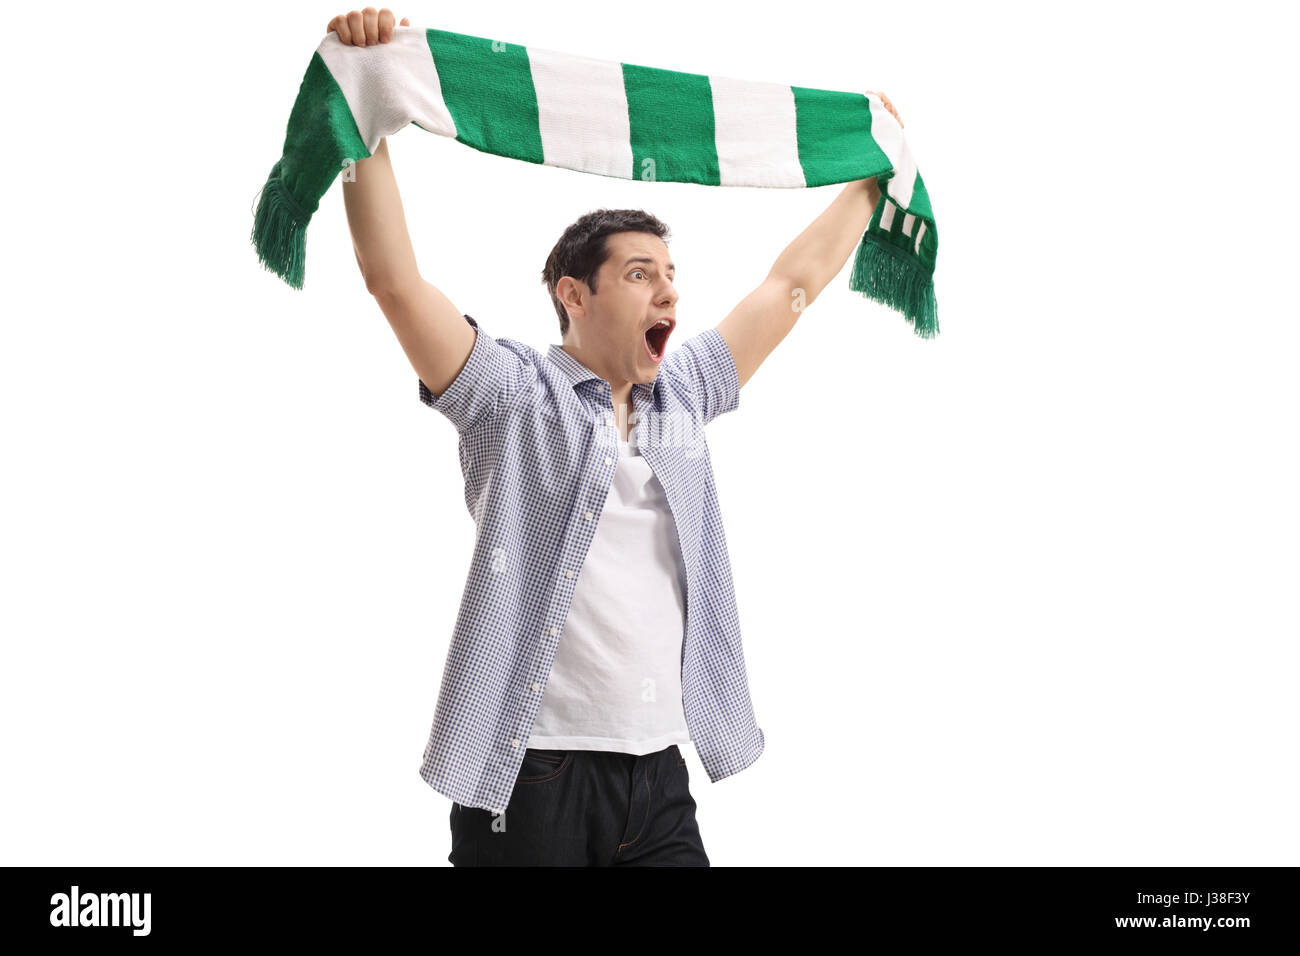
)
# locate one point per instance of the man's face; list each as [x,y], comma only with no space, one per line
[634,290]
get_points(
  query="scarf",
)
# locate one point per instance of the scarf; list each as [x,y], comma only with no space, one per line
[606,118]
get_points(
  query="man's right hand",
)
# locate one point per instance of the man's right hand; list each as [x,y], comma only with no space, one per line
[365,27]
[431,329]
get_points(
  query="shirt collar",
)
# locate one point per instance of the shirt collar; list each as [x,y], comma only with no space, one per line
[578,373]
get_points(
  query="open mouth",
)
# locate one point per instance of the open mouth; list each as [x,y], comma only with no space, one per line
[656,338]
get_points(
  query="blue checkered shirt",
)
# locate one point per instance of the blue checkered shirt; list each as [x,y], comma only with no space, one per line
[538,450]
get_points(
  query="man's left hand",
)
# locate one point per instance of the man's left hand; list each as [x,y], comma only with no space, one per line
[889,106]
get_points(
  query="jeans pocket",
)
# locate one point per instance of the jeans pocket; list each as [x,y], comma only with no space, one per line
[540,766]
[681,757]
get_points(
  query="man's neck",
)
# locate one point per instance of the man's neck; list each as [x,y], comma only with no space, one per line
[620,396]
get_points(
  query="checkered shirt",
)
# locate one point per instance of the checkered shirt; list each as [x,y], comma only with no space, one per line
[538,451]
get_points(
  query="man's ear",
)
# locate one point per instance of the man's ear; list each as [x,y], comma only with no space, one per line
[572,295]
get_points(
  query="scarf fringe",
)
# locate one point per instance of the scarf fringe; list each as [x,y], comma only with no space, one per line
[888,276]
[280,231]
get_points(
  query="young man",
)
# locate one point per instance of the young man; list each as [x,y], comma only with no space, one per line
[598,629]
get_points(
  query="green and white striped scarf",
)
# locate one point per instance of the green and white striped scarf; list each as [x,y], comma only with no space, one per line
[607,118]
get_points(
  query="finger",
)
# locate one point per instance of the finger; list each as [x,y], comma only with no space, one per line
[385,25]
[405,22]
[371,18]
[357,28]
[340,26]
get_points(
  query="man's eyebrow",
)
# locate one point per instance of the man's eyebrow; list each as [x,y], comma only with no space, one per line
[671,267]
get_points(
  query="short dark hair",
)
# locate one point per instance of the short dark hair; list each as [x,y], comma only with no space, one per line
[583,249]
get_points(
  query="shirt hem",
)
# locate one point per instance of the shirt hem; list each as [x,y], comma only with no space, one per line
[637,748]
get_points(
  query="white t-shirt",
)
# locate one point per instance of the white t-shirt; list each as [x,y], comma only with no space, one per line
[616,682]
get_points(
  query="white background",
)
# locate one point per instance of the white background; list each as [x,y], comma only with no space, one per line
[1021,594]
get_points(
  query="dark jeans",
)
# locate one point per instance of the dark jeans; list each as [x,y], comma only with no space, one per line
[586,808]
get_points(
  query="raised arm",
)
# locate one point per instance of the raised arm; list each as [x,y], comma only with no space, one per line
[432,331]
[764,317]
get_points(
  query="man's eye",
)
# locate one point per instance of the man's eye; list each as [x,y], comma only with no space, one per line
[635,271]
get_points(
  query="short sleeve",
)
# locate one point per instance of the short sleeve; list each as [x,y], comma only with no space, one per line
[489,378]
[707,372]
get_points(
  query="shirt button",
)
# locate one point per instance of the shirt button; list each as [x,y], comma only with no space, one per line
[515,742]
[568,574]
[552,632]
[608,460]
[588,515]
[537,687]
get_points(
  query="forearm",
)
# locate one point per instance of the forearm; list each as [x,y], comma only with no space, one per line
[378,224]
[818,253]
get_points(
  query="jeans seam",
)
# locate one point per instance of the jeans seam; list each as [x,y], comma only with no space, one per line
[648,809]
